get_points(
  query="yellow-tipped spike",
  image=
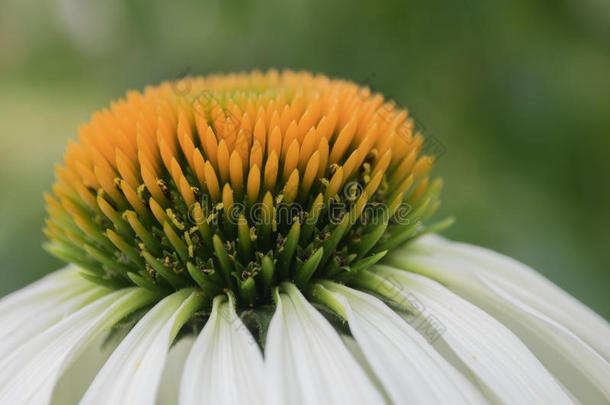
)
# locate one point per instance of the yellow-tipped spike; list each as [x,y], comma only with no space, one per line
[126,168]
[212,182]
[291,159]
[254,184]
[227,199]
[292,187]
[342,143]
[335,184]
[237,173]
[223,161]
[271,168]
[310,173]
[256,155]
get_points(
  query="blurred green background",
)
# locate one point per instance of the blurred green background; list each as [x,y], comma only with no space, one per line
[517,92]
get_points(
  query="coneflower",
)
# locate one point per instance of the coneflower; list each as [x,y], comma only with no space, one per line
[260,238]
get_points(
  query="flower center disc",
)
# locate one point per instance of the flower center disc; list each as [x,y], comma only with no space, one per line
[239,182]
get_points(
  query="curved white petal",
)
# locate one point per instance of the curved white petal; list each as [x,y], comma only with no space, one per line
[29,374]
[306,361]
[225,365]
[46,286]
[570,340]
[506,370]
[132,373]
[532,288]
[410,370]
[169,388]
[74,382]
[42,315]
[37,302]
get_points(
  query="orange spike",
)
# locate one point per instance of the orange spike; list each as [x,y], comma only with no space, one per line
[350,165]
[199,168]
[297,106]
[309,117]
[108,185]
[275,141]
[126,168]
[175,171]
[271,167]
[334,185]
[342,142]
[310,141]
[423,166]
[152,184]
[236,173]
[273,121]
[186,191]
[186,144]
[157,211]
[242,147]
[166,153]
[223,161]
[291,159]
[326,126]
[285,118]
[210,146]
[254,184]
[212,182]
[323,149]
[290,135]
[310,173]
[230,132]
[227,200]
[245,125]
[133,199]
[260,134]
[256,155]
[292,187]
[383,162]
[87,175]
[86,195]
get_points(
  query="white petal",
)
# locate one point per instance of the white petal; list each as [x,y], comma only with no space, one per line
[28,375]
[42,314]
[503,365]
[405,363]
[73,384]
[532,289]
[225,365]
[46,286]
[562,332]
[169,388]
[306,361]
[132,373]
[356,352]
[34,302]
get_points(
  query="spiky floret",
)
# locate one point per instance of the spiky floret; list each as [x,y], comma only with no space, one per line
[238,182]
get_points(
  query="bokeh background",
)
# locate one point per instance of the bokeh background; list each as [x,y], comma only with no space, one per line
[517,93]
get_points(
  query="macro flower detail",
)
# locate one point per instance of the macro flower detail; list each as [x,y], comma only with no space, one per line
[264,238]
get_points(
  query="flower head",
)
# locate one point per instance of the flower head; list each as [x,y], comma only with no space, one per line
[210,220]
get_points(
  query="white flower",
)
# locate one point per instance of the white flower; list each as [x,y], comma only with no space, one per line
[435,322]
[258,238]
